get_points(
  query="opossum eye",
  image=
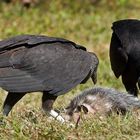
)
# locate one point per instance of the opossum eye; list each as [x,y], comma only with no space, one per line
[78,109]
[68,107]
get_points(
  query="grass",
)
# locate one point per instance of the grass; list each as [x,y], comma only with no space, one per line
[86,24]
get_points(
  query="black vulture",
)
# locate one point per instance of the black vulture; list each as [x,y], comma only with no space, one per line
[30,63]
[125,53]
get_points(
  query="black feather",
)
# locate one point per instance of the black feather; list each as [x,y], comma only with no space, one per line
[39,63]
[125,52]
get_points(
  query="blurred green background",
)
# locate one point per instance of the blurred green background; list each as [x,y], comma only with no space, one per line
[86,22]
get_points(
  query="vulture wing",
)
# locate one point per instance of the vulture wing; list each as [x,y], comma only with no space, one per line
[55,67]
[31,41]
[125,43]
[118,56]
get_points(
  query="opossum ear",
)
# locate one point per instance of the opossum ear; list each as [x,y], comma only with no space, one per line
[84,108]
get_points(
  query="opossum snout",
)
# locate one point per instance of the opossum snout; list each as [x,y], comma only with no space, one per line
[83,109]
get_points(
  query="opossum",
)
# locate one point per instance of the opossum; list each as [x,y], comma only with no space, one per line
[101,101]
